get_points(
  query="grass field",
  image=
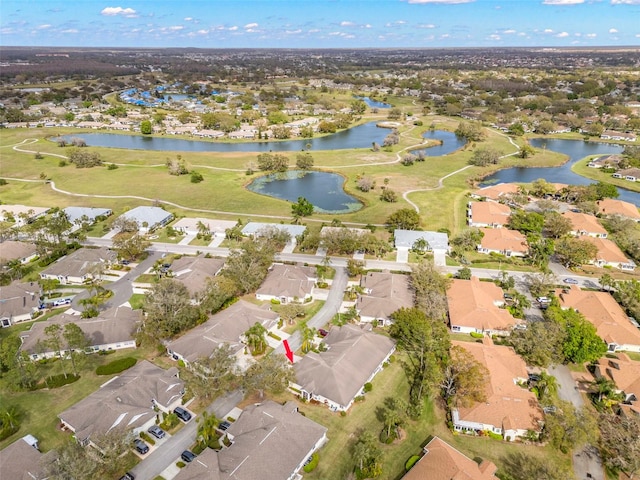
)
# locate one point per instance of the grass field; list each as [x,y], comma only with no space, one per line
[580,167]
[223,193]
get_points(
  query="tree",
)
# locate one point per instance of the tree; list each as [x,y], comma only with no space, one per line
[355,267]
[403,219]
[468,239]
[304,161]
[555,225]
[389,195]
[271,373]
[430,289]
[581,342]
[426,343]
[248,266]
[54,342]
[169,309]
[367,456]
[472,131]
[539,344]
[308,334]
[255,338]
[75,339]
[607,281]
[212,376]
[216,293]
[207,424]
[520,466]
[464,273]
[130,245]
[72,461]
[303,208]
[464,379]
[146,128]
[484,156]
[573,252]
[620,443]
[547,387]
[526,222]
[570,428]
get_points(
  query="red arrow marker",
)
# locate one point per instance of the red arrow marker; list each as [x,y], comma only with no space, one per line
[288,351]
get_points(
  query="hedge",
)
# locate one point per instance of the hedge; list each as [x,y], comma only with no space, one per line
[59,381]
[116,366]
[411,462]
[274,336]
[476,335]
[147,438]
[311,466]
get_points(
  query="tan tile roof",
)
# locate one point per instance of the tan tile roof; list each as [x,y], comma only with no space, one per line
[288,281]
[608,251]
[581,222]
[12,250]
[443,462]
[603,312]
[495,192]
[504,239]
[490,213]
[609,206]
[472,304]
[508,405]
[226,326]
[624,372]
[388,293]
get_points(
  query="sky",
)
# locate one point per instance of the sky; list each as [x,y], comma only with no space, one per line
[319,23]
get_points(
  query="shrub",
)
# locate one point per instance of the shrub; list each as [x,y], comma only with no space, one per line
[275,301]
[116,366]
[495,436]
[170,421]
[311,466]
[198,448]
[343,413]
[180,464]
[274,336]
[60,380]
[368,387]
[147,438]
[214,444]
[411,462]
[231,419]
[196,177]
[112,166]
[476,335]
[62,163]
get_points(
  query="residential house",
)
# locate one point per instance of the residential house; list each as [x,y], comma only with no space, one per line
[510,243]
[609,206]
[606,161]
[610,255]
[258,228]
[436,242]
[443,462]
[383,294]
[225,327]
[191,226]
[269,440]
[11,250]
[127,401]
[585,225]
[509,410]
[148,218]
[474,306]
[336,376]
[497,193]
[80,266]
[193,272]
[22,460]
[88,215]
[488,214]
[18,302]
[630,174]
[600,308]
[613,135]
[112,329]
[288,283]
[20,214]
[624,373]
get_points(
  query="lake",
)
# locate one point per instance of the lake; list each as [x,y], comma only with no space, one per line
[575,150]
[450,142]
[361,136]
[324,190]
[373,103]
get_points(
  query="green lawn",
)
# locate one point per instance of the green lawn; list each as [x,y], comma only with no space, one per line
[633,356]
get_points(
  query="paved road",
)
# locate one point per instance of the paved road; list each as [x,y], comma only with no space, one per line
[169,452]
[326,313]
[586,461]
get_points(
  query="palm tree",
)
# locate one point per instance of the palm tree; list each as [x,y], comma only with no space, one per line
[547,386]
[361,454]
[255,338]
[207,424]
[605,388]
[390,417]
[607,281]
[308,334]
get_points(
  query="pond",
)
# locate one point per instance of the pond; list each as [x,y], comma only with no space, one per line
[575,150]
[449,143]
[373,103]
[361,136]
[324,190]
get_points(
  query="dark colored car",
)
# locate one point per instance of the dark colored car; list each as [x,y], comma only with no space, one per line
[128,476]
[224,425]
[182,414]
[156,431]
[188,456]
[322,332]
[140,446]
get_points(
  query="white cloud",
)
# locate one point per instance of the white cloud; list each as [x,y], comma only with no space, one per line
[176,28]
[625,2]
[347,24]
[44,26]
[188,19]
[233,29]
[547,30]
[314,30]
[426,25]
[562,2]
[367,25]
[509,31]
[562,35]
[591,35]
[113,11]
[441,1]
[613,30]
[495,37]
[70,30]
[293,32]
[202,32]
[250,25]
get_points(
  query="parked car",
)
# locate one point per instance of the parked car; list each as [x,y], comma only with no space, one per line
[128,476]
[156,431]
[182,414]
[570,281]
[224,425]
[140,446]
[188,456]
[543,300]
[322,332]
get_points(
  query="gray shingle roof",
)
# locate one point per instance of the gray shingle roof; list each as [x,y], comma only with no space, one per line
[80,262]
[288,281]
[153,216]
[76,213]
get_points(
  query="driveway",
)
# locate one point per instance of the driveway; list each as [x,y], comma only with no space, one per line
[169,452]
